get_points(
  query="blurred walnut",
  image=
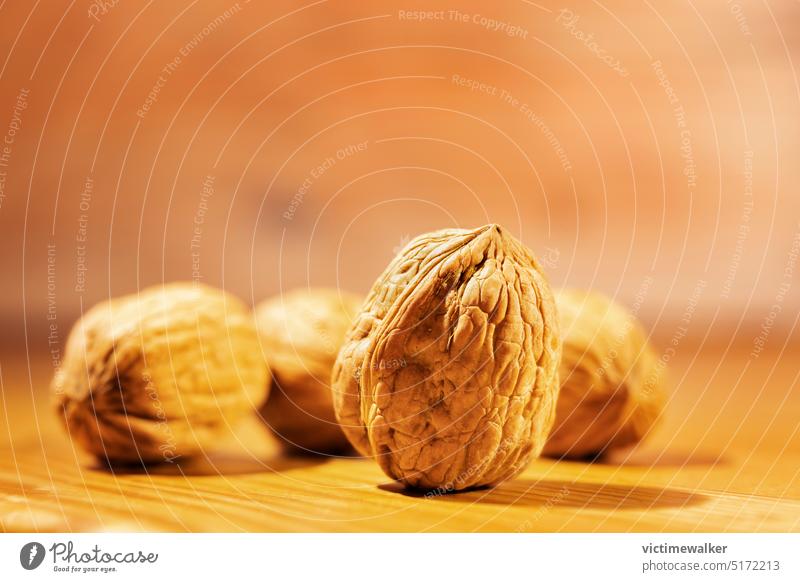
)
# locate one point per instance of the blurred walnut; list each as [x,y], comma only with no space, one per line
[611,379]
[301,333]
[160,374]
[448,375]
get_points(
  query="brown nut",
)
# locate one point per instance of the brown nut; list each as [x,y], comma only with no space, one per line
[611,379]
[448,375]
[159,374]
[301,333]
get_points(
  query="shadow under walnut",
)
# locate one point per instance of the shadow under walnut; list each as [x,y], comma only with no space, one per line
[555,493]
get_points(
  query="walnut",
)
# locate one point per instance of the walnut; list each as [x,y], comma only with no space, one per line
[448,375]
[159,374]
[301,333]
[611,379]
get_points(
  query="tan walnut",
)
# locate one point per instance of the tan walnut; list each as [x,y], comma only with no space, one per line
[160,374]
[611,379]
[301,333]
[448,376]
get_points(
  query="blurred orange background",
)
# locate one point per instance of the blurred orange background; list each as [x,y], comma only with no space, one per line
[647,150]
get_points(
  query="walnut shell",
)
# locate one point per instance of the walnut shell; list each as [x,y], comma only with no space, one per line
[301,333]
[159,374]
[611,380]
[448,375]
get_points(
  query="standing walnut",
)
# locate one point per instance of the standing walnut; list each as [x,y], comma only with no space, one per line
[448,375]
[611,379]
[160,374]
[301,333]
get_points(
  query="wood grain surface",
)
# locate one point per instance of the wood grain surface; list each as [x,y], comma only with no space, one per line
[725,458]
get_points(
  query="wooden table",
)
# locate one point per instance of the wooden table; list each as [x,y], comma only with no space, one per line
[726,458]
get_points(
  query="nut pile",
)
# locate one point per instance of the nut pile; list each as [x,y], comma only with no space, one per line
[458,369]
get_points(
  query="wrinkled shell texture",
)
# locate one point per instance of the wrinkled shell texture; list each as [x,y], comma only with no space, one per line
[448,376]
[611,381]
[160,374]
[301,333]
